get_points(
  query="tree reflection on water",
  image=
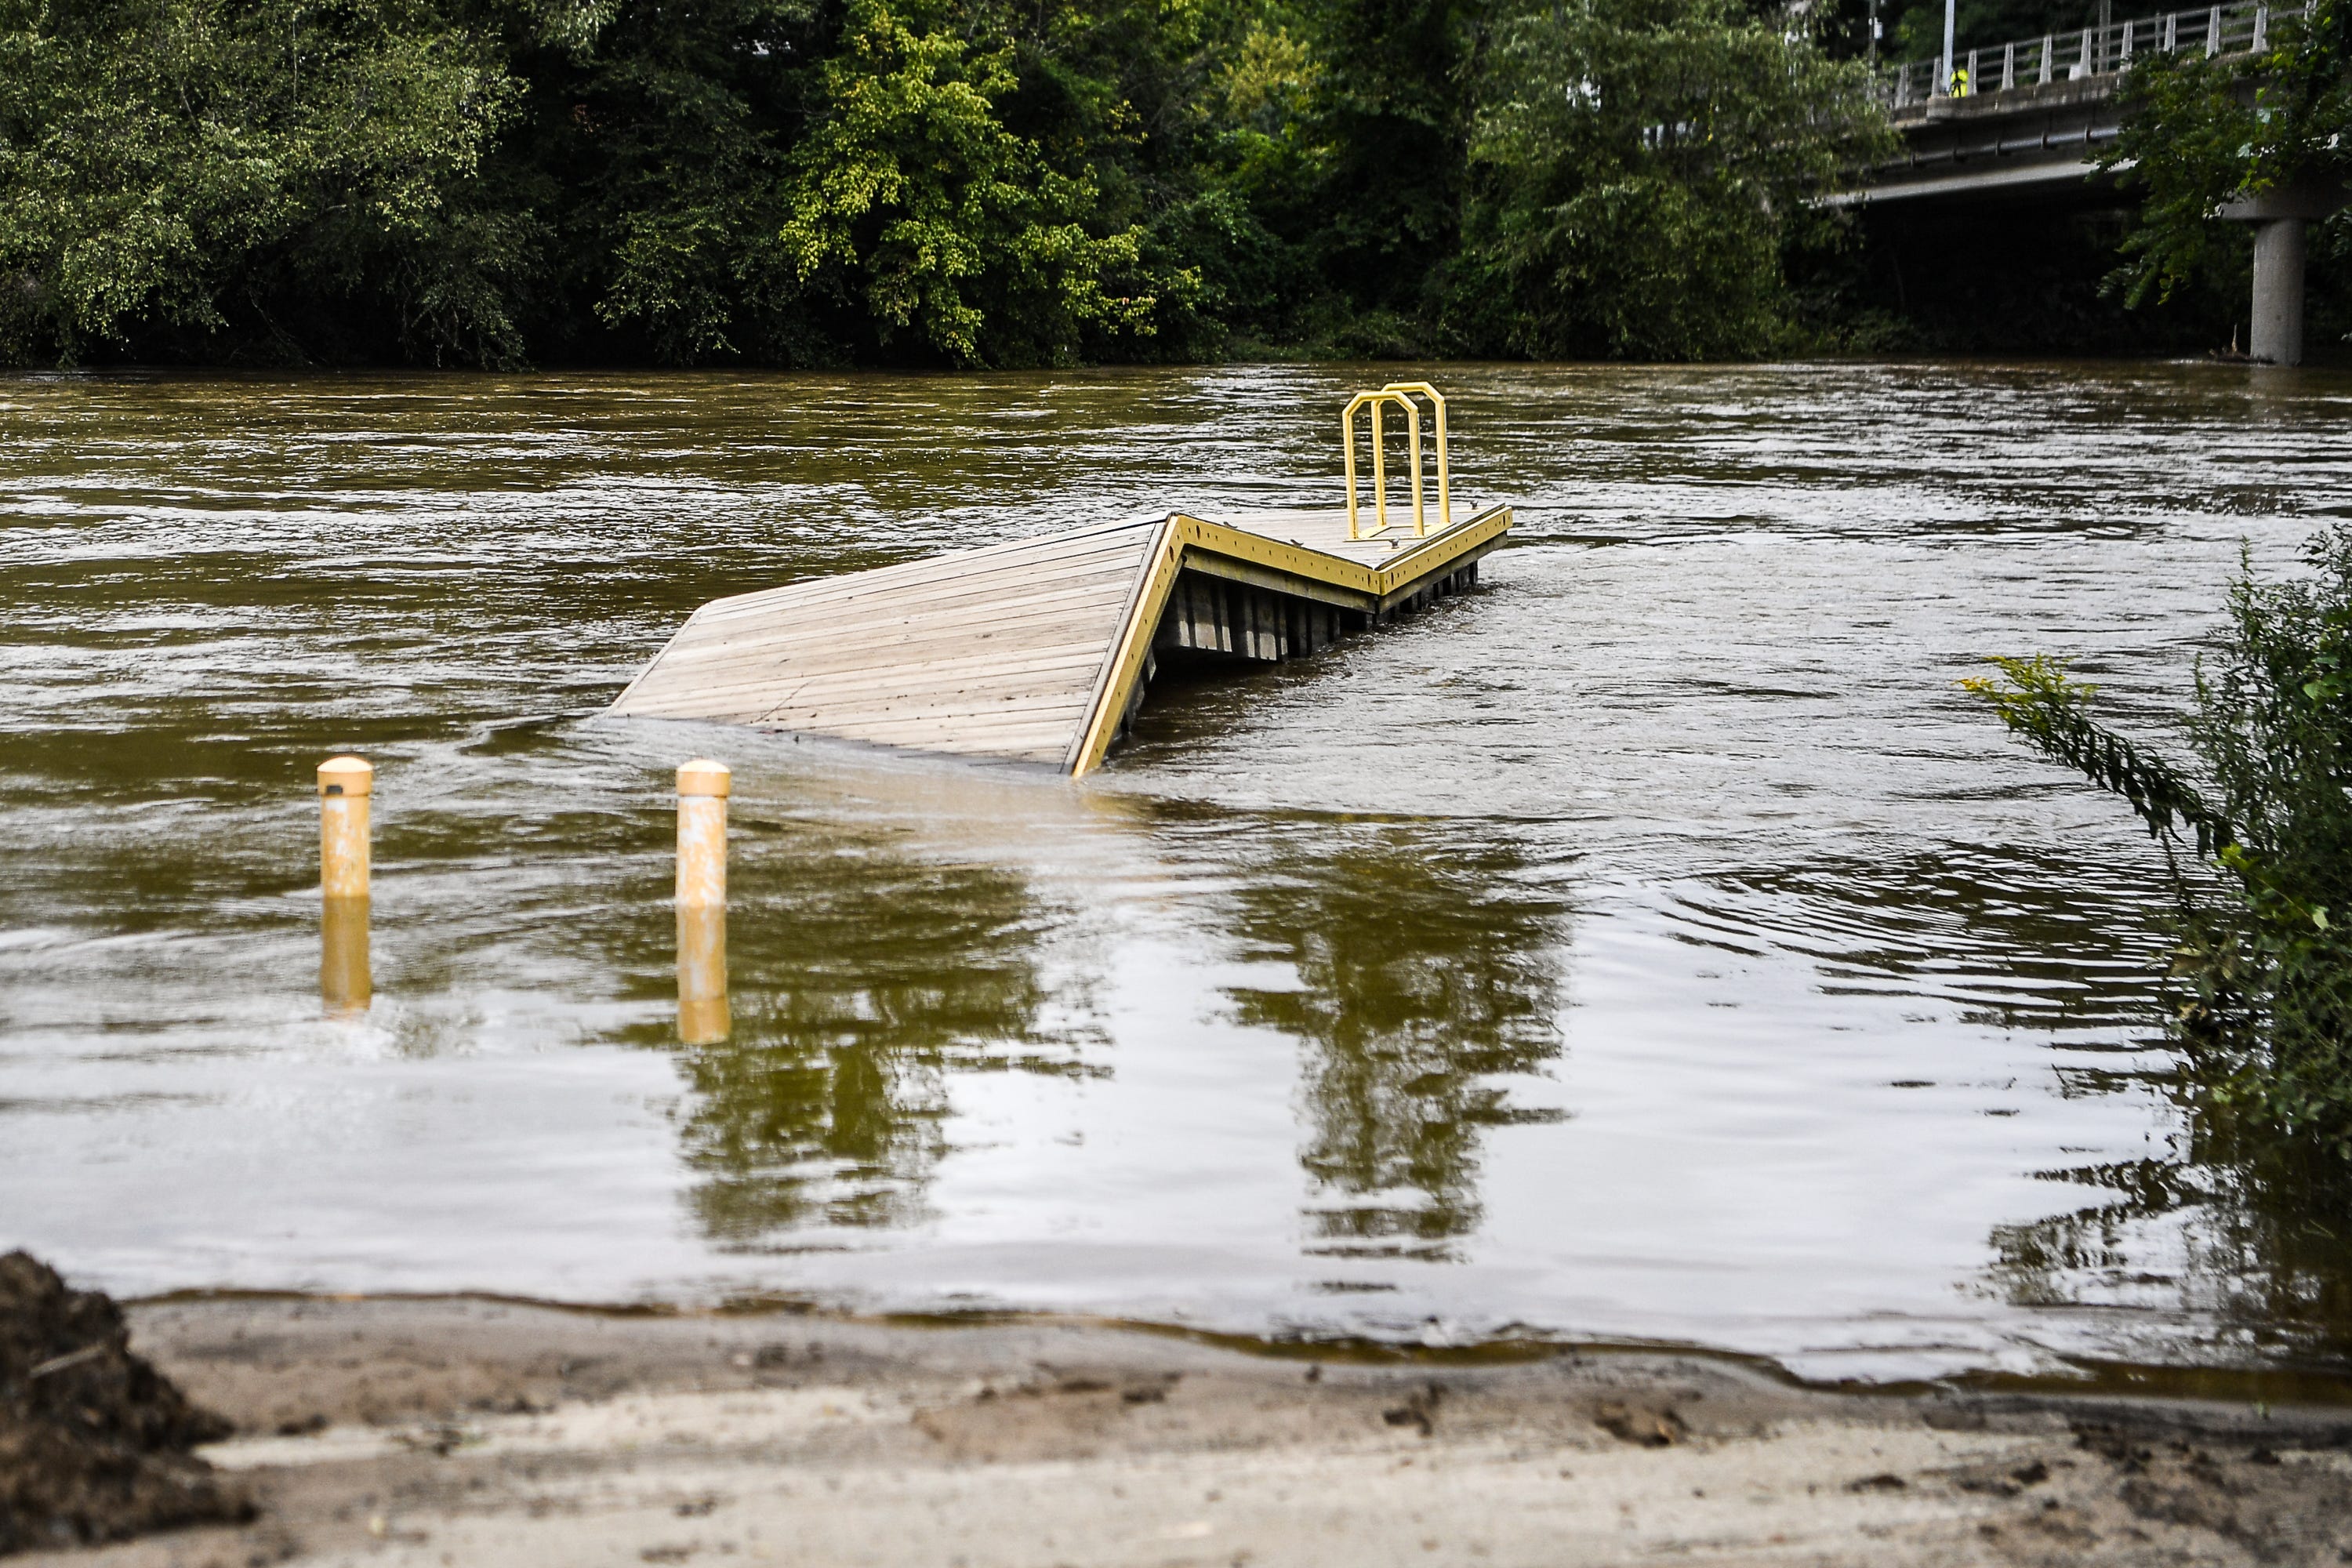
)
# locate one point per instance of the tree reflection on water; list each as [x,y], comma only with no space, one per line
[861,980]
[1429,972]
[2257,1242]
[2215,1224]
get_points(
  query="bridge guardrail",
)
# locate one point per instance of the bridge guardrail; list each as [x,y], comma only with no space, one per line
[2090,52]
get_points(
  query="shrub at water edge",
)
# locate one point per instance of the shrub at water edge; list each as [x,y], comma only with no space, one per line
[2264,968]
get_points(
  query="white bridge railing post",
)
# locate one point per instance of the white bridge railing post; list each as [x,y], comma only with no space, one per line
[2098,51]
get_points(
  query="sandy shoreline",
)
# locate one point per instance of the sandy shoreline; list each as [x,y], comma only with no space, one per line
[452,1431]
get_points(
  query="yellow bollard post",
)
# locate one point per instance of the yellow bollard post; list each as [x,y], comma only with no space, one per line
[703,788]
[344,985]
[345,784]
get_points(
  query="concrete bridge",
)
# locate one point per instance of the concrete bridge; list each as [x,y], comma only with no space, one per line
[2031,117]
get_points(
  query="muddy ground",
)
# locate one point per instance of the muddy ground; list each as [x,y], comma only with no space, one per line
[460,1432]
[94,1445]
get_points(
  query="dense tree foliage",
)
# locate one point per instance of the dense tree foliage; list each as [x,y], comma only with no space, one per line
[182,162]
[1634,177]
[963,182]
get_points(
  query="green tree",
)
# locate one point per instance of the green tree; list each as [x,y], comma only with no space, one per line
[912,192]
[1637,171]
[2199,131]
[657,137]
[1188,115]
[1915,31]
[187,162]
[968,182]
[1394,108]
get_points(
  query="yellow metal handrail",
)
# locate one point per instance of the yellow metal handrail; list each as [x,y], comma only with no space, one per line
[1377,401]
[1444,487]
[1398,393]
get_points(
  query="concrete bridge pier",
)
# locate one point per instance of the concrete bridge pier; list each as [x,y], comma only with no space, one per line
[2282,220]
[2276,331]
[2039,134]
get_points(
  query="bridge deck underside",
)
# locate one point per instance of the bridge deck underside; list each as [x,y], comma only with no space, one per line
[2026,142]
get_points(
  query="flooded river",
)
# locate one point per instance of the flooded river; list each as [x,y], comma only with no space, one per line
[1650,945]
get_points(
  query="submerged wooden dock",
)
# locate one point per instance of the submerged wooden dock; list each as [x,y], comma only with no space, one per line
[1041,650]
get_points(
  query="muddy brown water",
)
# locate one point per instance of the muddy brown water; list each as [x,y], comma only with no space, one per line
[1652,945]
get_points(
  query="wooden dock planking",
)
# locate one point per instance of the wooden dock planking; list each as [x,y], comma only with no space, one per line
[908,579]
[900,642]
[1038,649]
[922,601]
[921,654]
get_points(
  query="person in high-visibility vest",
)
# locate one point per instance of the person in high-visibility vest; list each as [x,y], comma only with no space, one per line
[1959,81]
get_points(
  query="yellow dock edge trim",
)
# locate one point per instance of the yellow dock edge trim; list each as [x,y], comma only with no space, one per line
[1426,555]
[1431,554]
[1181,534]
[1124,664]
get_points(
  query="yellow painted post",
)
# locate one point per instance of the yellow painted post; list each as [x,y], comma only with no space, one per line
[1444,487]
[1413,414]
[345,786]
[345,986]
[1376,401]
[1347,452]
[1420,514]
[702,789]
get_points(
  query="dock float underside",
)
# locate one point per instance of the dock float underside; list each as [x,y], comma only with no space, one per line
[1040,649]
